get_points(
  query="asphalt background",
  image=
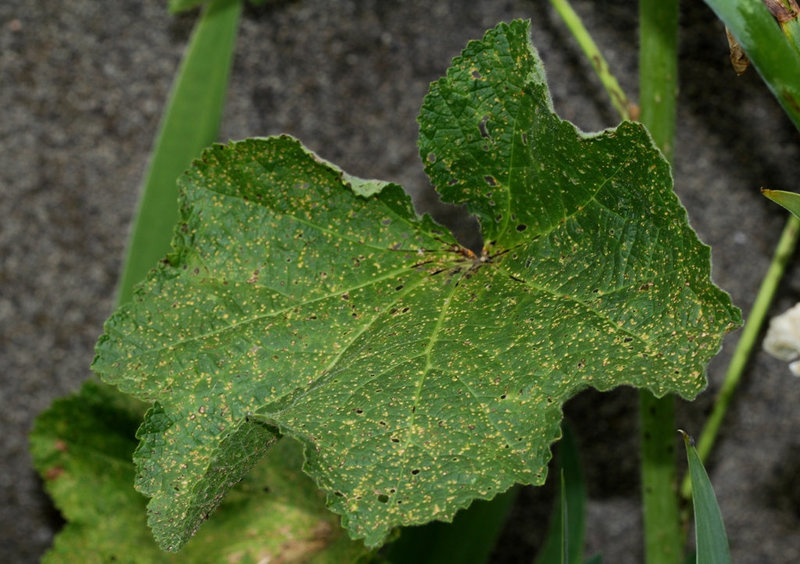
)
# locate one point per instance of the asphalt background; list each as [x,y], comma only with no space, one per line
[82,86]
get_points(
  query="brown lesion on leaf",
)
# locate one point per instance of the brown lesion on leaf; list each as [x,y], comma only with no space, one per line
[739,59]
[53,473]
[783,10]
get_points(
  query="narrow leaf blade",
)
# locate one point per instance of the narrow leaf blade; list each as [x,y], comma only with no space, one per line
[189,124]
[789,200]
[711,539]
[773,54]
[564,541]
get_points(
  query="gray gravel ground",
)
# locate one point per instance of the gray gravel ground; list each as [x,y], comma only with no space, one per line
[82,86]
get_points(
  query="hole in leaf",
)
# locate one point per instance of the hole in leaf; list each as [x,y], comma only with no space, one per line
[431,158]
[383,498]
[490,180]
[521,227]
[415,471]
[476,75]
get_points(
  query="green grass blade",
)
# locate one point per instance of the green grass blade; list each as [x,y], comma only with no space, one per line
[177,6]
[190,123]
[564,542]
[711,540]
[772,52]
[789,200]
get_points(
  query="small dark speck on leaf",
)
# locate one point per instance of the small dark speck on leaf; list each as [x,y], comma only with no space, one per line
[383,498]
[521,227]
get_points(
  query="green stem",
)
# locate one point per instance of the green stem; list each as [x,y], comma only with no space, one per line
[190,123]
[658,72]
[748,339]
[579,32]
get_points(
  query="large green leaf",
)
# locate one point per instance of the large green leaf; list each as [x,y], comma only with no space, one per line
[82,448]
[418,376]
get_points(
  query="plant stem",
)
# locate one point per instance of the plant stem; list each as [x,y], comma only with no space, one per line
[750,333]
[579,32]
[189,124]
[658,73]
